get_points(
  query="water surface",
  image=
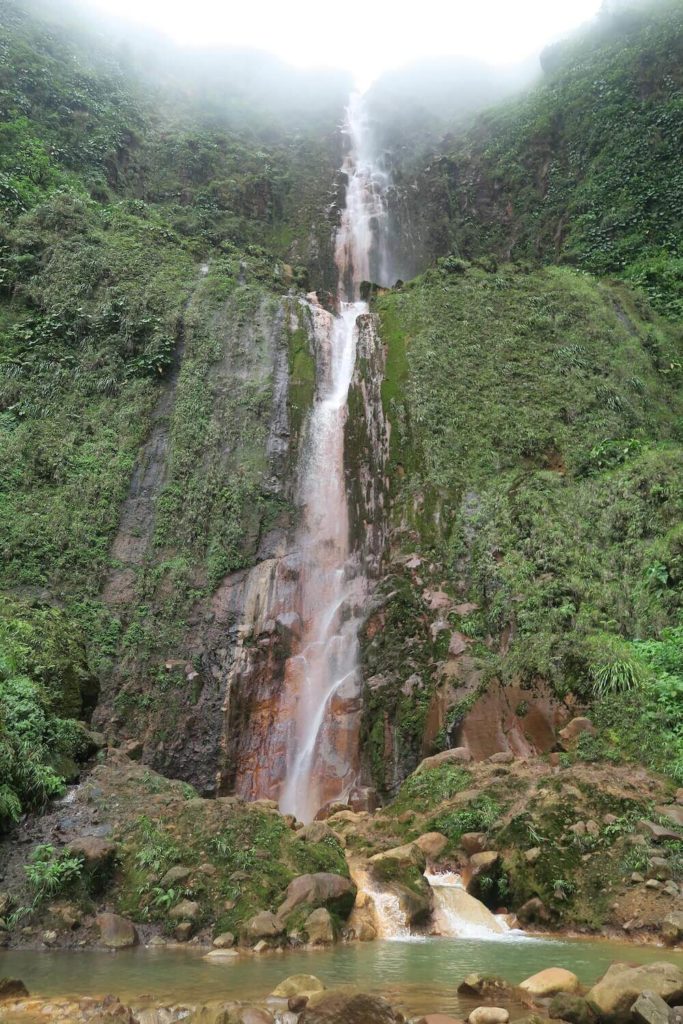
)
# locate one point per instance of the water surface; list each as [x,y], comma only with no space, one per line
[417,977]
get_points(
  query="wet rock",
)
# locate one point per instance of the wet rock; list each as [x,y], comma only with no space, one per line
[261,946]
[297,985]
[295,1004]
[12,988]
[613,996]
[186,910]
[534,911]
[319,927]
[350,1009]
[458,755]
[672,928]
[487,986]
[254,1015]
[572,1008]
[224,941]
[320,888]
[116,932]
[550,982]
[220,955]
[649,1008]
[176,874]
[432,844]
[489,1015]
[263,926]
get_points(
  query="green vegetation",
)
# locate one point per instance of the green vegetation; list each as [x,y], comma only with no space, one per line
[50,873]
[536,467]
[585,169]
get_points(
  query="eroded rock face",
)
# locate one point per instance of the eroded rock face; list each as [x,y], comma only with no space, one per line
[613,996]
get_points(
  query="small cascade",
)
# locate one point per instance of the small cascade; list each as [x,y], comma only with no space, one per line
[379,906]
[459,915]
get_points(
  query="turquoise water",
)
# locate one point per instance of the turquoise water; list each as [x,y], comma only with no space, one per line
[417,977]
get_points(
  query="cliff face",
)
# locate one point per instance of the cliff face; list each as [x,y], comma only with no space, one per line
[512,446]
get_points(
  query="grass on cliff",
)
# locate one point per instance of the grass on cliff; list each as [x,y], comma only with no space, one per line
[537,468]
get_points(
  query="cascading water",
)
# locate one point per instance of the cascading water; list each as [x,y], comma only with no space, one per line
[322,753]
[459,915]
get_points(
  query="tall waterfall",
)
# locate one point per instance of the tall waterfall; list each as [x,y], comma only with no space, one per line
[322,750]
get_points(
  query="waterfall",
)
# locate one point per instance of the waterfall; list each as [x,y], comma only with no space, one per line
[459,915]
[322,752]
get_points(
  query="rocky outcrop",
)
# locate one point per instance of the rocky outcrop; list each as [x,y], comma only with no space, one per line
[612,997]
[550,982]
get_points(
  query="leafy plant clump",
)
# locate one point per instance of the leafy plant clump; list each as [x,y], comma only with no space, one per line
[51,873]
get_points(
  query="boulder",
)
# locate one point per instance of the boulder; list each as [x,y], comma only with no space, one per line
[176,874]
[341,1008]
[572,730]
[406,856]
[322,888]
[482,863]
[534,911]
[484,986]
[98,854]
[12,988]
[298,985]
[220,955]
[657,832]
[502,757]
[572,1008]
[186,910]
[183,931]
[317,832]
[458,755]
[532,855]
[416,904]
[672,928]
[649,1008]
[116,932]
[550,982]
[674,812]
[432,844]
[224,941]
[263,925]
[489,1015]
[615,993]
[658,868]
[319,927]
[473,842]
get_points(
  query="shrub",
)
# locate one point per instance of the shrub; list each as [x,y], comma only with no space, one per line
[50,873]
[614,666]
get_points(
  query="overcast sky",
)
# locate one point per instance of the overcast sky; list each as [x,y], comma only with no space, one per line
[365,37]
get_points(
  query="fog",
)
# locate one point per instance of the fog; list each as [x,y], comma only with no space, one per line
[361,37]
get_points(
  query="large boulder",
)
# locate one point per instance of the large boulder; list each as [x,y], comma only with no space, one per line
[489,1015]
[116,932]
[321,889]
[549,982]
[432,844]
[96,853]
[408,856]
[613,996]
[298,985]
[458,755]
[186,910]
[650,1009]
[319,927]
[534,911]
[12,988]
[341,1008]
[572,1008]
[484,986]
[263,925]
[672,928]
